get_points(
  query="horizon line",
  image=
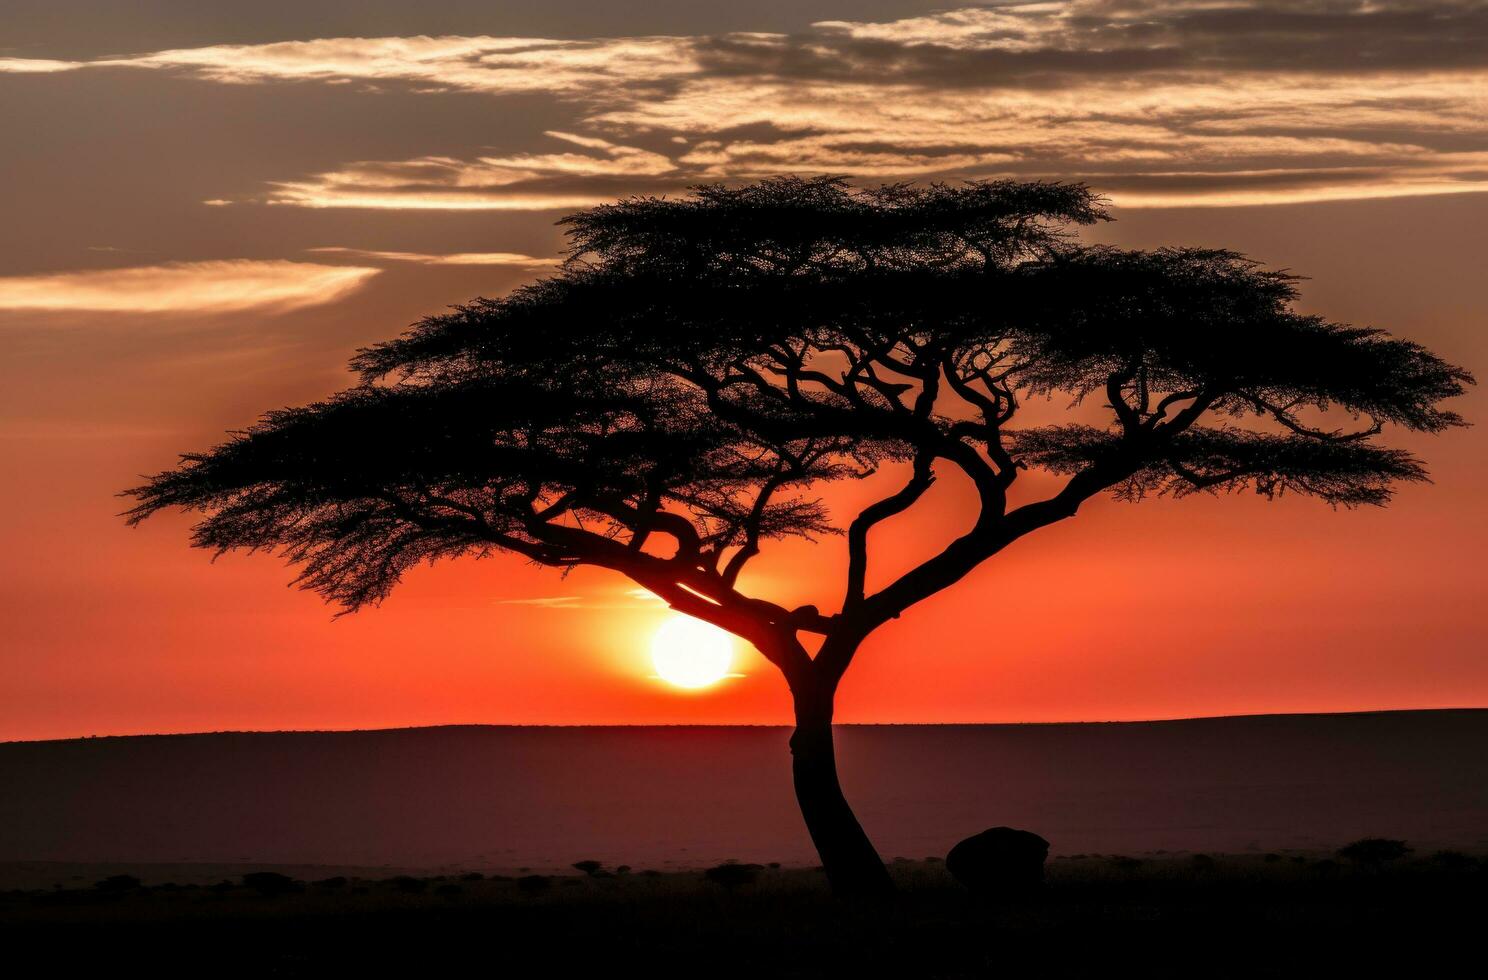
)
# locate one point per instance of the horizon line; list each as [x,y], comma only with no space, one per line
[856,724]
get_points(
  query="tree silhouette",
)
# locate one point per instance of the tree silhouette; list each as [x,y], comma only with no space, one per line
[666,402]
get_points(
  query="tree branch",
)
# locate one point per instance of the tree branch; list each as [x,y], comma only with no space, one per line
[857,532]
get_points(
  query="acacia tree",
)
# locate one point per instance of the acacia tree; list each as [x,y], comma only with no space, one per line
[666,403]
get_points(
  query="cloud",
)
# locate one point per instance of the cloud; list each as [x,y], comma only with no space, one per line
[630,599]
[1121,35]
[514,259]
[186,287]
[548,602]
[37,66]
[518,182]
[1158,101]
[493,65]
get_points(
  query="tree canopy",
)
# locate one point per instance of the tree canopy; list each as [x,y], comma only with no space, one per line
[677,392]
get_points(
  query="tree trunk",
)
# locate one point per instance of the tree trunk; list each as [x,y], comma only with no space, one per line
[852,865]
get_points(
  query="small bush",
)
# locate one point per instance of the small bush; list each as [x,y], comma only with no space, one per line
[473,876]
[590,868]
[269,884]
[1374,852]
[115,884]
[731,875]
[1453,861]
[534,884]
[409,885]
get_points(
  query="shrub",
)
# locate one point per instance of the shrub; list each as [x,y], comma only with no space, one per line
[590,868]
[534,884]
[409,884]
[1453,861]
[731,874]
[1374,852]
[115,884]
[269,884]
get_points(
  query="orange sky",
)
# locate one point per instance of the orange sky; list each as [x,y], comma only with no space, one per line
[138,321]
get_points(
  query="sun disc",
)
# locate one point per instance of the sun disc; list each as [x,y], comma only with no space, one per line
[690,653]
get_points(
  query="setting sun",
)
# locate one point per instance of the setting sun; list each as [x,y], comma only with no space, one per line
[690,653]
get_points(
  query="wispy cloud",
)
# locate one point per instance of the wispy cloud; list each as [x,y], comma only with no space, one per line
[519,182]
[37,66]
[547,602]
[630,599]
[514,259]
[494,65]
[1171,102]
[186,287]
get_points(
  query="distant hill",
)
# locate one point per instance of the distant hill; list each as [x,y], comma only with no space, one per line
[498,798]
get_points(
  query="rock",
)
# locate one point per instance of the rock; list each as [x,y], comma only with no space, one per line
[1000,861]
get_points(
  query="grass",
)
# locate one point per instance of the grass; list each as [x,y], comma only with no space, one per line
[1098,915]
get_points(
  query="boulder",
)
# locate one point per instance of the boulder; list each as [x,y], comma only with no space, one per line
[1000,861]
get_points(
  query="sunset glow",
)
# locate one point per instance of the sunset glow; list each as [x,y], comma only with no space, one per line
[689,653]
[208,215]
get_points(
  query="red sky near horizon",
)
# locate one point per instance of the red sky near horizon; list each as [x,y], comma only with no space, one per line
[210,212]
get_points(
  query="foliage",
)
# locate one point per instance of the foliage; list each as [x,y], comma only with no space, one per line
[534,884]
[269,883]
[731,874]
[1373,852]
[674,397]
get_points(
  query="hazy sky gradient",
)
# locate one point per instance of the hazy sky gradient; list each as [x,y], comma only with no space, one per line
[210,208]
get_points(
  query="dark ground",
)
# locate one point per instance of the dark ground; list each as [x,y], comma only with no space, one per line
[1191,916]
[484,798]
